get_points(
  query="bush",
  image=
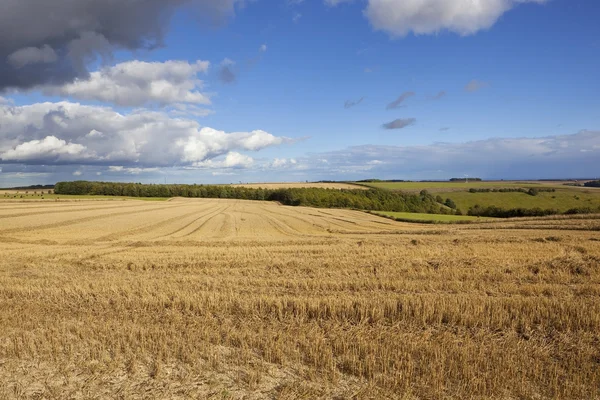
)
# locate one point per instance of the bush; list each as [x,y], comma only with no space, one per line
[450,203]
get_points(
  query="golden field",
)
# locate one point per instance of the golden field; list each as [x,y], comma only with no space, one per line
[230,299]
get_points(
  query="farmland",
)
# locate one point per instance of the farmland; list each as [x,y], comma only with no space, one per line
[439,187]
[231,299]
[292,185]
[561,200]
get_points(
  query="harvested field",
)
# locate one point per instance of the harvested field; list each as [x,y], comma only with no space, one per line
[208,298]
[295,185]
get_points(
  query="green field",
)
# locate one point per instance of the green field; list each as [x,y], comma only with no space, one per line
[12,195]
[435,218]
[561,200]
[450,186]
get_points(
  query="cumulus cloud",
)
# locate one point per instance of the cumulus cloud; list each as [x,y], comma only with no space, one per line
[71,133]
[233,160]
[352,103]
[399,123]
[51,42]
[282,163]
[137,83]
[476,85]
[50,149]
[464,17]
[400,100]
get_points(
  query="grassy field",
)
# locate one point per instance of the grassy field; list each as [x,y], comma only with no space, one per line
[561,199]
[229,299]
[462,186]
[436,218]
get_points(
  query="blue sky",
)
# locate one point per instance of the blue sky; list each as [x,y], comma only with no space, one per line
[509,91]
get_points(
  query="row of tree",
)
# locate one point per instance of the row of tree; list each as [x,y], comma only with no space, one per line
[371,199]
[497,212]
[592,184]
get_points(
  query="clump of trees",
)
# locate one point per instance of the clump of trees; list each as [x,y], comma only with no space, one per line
[371,199]
[592,184]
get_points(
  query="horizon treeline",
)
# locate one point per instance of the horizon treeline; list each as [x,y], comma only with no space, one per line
[371,199]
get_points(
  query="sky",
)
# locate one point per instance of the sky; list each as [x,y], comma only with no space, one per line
[221,91]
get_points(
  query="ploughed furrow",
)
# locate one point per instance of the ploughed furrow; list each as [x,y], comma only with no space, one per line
[33,224]
[305,223]
[200,228]
[153,228]
[190,226]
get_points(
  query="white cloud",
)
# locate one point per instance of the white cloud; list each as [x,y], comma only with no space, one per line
[77,173]
[136,83]
[233,160]
[280,163]
[47,133]
[49,148]
[465,17]
[263,48]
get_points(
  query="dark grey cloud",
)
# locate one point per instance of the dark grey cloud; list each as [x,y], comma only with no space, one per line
[51,42]
[352,103]
[226,72]
[398,102]
[399,123]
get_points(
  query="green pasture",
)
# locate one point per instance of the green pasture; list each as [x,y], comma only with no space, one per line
[561,200]
[429,218]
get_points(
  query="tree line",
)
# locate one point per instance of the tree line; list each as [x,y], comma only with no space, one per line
[371,199]
[592,184]
[497,212]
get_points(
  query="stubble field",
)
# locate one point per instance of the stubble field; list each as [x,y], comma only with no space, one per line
[194,298]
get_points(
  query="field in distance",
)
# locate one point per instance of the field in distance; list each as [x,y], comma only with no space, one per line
[45,195]
[293,185]
[562,197]
[210,298]
[463,186]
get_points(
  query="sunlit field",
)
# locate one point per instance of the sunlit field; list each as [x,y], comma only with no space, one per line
[196,298]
